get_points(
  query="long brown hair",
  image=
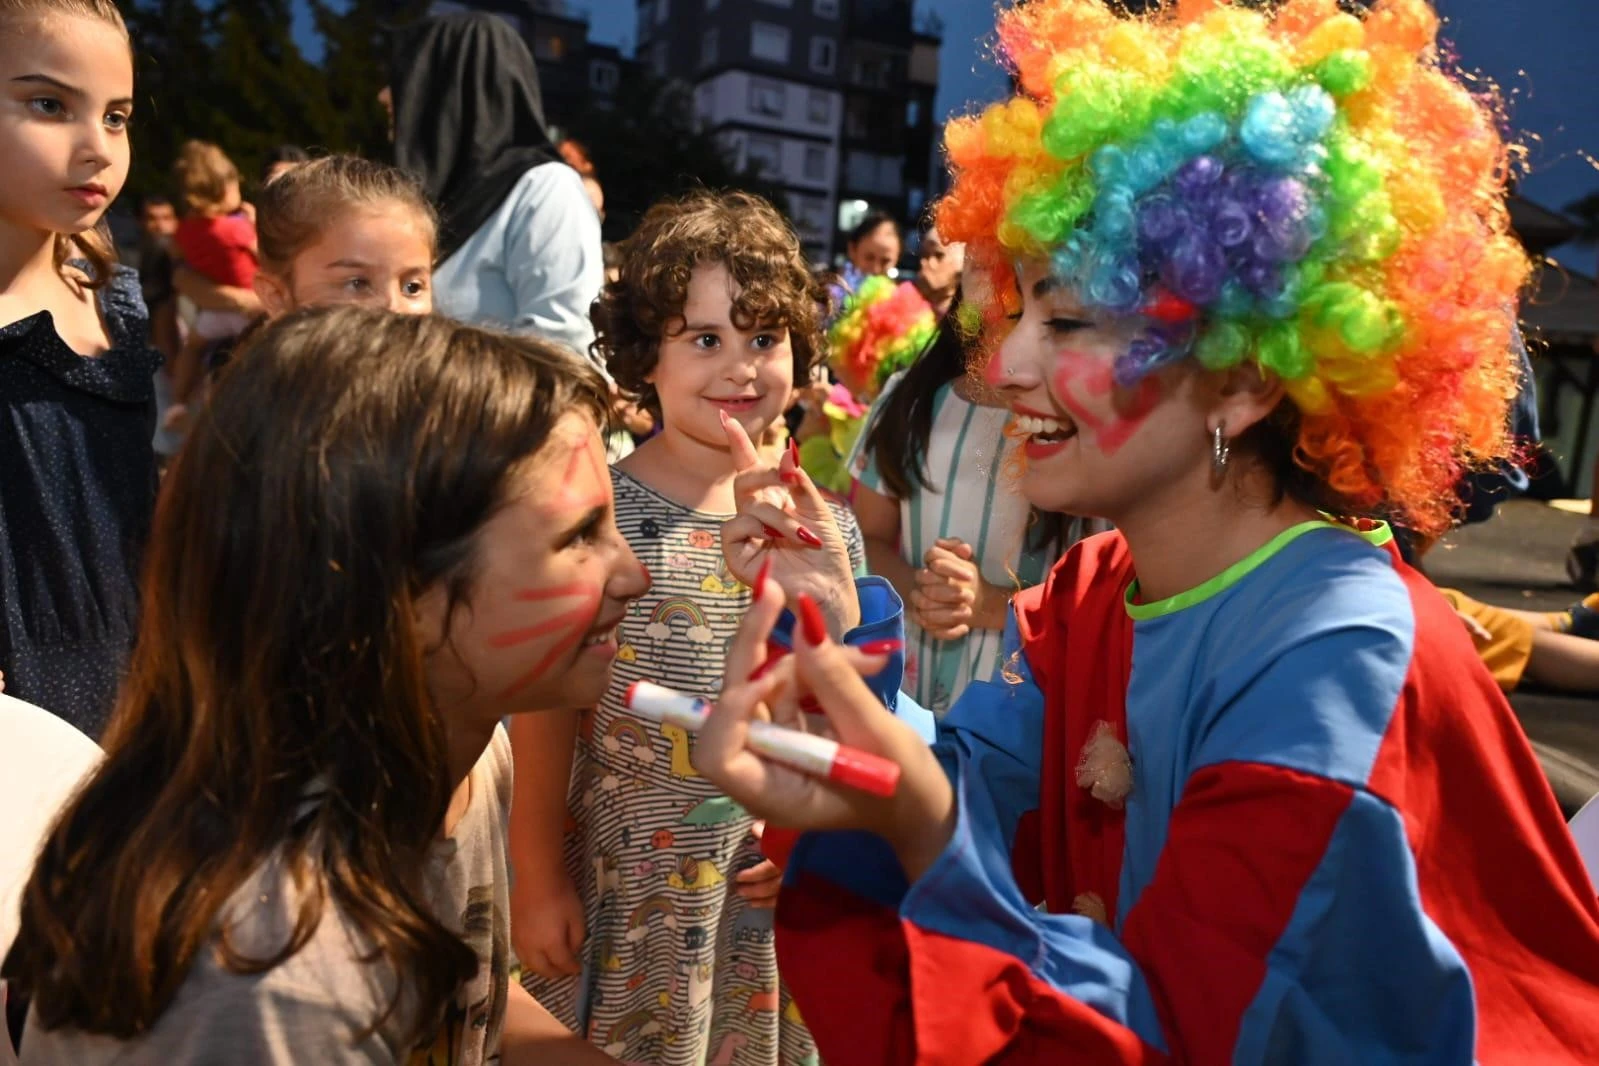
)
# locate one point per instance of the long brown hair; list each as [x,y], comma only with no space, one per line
[93,244]
[345,465]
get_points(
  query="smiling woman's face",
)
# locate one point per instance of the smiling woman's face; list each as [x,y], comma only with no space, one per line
[1093,447]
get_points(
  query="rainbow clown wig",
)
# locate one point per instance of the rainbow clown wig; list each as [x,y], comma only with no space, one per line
[1293,186]
[882,328]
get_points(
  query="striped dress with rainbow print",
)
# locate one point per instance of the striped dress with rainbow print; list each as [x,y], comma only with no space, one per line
[678,969]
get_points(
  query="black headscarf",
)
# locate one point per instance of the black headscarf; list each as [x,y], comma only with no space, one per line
[468,117]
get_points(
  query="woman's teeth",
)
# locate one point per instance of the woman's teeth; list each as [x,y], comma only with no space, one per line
[1046,428]
[600,638]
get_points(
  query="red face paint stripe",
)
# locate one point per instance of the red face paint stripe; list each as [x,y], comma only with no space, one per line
[512,637]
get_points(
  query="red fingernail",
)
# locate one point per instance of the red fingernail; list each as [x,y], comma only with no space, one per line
[788,477]
[882,647]
[760,671]
[760,578]
[649,578]
[770,532]
[793,451]
[807,537]
[812,624]
[809,705]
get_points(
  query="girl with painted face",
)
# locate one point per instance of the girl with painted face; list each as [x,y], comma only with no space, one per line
[385,534]
[1242,791]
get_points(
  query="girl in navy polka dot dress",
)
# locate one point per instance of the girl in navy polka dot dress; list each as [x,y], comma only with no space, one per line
[77,406]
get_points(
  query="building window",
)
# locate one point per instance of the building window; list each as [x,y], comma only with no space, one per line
[603,76]
[913,113]
[821,107]
[815,163]
[766,97]
[549,49]
[764,154]
[663,10]
[855,119]
[769,42]
[827,9]
[823,54]
[708,41]
[712,5]
[809,214]
[658,58]
[779,3]
[914,199]
[646,19]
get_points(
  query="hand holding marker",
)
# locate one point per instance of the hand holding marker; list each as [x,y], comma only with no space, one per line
[814,755]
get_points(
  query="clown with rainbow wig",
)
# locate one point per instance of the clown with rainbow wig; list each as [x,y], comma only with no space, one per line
[1243,791]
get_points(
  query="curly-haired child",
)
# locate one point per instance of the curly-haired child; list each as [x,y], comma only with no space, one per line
[654,936]
[1243,792]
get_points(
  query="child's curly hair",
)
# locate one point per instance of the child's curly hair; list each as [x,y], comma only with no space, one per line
[745,234]
[1315,192]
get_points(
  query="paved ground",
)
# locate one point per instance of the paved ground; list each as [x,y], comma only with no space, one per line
[1518,560]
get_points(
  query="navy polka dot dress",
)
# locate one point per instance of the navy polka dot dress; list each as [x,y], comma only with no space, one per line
[77,492]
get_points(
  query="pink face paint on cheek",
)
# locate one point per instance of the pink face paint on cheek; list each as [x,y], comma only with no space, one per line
[994,371]
[1144,399]
[1081,376]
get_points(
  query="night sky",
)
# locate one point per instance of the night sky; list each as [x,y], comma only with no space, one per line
[1543,57]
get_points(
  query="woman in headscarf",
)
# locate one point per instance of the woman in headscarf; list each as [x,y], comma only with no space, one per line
[519,239]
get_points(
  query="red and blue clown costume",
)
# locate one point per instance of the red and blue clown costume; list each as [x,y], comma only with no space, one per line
[1337,846]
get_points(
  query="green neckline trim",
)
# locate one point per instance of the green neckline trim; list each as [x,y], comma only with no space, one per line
[1378,535]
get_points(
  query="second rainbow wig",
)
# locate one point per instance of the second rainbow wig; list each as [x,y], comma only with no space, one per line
[1293,186]
[882,328]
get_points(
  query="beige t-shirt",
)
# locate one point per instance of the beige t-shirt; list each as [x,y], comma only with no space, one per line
[312,1008]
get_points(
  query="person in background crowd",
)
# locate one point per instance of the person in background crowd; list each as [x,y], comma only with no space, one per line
[281,160]
[873,247]
[577,157]
[313,795]
[938,270]
[77,375]
[519,240]
[216,240]
[158,221]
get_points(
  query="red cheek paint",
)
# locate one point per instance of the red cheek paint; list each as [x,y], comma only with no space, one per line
[1081,377]
[993,372]
[568,628]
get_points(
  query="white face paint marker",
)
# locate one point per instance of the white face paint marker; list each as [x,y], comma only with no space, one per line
[813,755]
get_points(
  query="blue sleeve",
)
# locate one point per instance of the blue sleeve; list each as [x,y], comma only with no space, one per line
[1282,922]
[553,257]
[882,618]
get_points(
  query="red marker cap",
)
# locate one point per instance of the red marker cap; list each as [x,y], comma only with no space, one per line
[860,770]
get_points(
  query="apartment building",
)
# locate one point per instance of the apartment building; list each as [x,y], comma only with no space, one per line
[832,99]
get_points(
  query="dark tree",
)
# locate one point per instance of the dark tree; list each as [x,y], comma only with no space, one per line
[648,146]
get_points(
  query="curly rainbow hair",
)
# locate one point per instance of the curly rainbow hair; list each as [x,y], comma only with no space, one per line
[1295,186]
[882,328]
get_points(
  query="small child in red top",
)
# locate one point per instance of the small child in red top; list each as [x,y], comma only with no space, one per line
[217,240]
[217,235]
